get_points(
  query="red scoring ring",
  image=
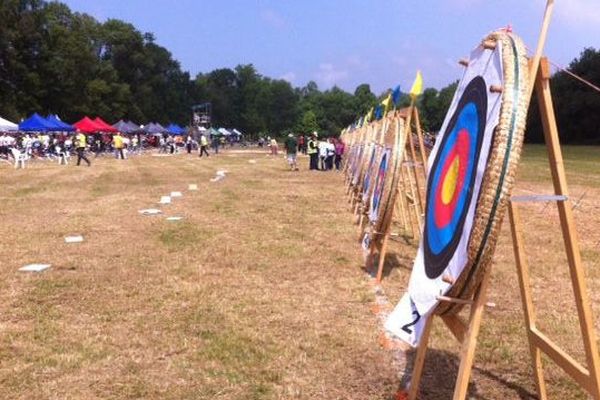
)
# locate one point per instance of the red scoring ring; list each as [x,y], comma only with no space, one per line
[444,212]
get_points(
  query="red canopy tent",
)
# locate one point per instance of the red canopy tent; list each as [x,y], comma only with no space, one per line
[104,126]
[86,125]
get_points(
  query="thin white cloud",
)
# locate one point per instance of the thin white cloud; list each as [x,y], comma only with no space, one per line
[329,75]
[578,13]
[356,61]
[290,77]
[273,18]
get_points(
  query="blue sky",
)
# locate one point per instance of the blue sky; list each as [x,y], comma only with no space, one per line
[347,42]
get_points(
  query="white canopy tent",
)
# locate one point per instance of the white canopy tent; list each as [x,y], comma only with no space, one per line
[7,126]
[225,132]
[236,132]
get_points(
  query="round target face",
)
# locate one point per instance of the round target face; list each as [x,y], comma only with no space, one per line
[378,188]
[356,165]
[451,178]
[367,180]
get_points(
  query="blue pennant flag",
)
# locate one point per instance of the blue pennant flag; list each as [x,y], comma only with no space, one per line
[378,112]
[396,94]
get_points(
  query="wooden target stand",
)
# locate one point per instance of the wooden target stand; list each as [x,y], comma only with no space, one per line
[409,204]
[362,207]
[359,141]
[380,246]
[411,190]
[588,377]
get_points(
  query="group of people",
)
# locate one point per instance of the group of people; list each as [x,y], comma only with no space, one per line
[325,155]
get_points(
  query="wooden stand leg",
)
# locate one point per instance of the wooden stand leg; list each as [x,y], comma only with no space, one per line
[420,137]
[415,379]
[467,353]
[382,254]
[526,298]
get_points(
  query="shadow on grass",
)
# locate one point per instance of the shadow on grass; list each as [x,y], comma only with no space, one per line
[392,261]
[440,373]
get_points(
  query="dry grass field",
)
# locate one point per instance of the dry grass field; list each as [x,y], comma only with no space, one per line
[257,293]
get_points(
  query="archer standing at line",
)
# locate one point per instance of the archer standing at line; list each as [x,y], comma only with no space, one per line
[203,145]
[81,144]
[313,152]
[291,147]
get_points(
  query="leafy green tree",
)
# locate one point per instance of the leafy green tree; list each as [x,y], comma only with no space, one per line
[308,123]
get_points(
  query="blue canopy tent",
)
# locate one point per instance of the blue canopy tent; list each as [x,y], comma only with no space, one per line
[36,123]
[154,129]
[123,127]
[133,127]
[175,129]
[60,125]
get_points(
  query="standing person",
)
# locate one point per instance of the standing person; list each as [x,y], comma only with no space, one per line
[215,144]
[188,143]
[323,154]
[135,142]
[274,147]
[118,146]
[203,145]
[291,147]
[312,151]
[4,151]
[81,144]
[302,144]
[339,152]
[171,144]
[330,154]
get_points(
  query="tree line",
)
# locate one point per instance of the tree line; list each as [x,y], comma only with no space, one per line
[54,60]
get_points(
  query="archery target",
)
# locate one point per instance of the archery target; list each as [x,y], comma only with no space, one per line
[378,188]
[383,197]
[452,177]
[471,173]
[368,175]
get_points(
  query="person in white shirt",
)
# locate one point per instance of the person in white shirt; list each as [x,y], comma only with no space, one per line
[330,154]
[322,155]
[4,143]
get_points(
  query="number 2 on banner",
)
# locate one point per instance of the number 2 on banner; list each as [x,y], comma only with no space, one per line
[405,321]
[407,328]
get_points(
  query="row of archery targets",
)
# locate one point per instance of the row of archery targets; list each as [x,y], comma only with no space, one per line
[385,178]
[452,196]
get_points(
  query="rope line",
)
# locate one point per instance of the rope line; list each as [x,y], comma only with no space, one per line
[573,75]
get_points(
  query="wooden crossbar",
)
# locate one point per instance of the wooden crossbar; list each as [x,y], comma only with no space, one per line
[575,370]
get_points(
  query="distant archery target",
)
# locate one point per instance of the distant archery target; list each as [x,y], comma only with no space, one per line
[451,178]
[368,175]
[385,186]
[378,187]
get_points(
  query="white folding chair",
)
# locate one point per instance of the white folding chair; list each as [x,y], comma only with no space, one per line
[19,157]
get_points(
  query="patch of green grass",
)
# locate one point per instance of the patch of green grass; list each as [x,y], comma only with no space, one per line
[581,164]
[29,190]
[184,235]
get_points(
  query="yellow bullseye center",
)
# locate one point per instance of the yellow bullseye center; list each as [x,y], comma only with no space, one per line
[449,184]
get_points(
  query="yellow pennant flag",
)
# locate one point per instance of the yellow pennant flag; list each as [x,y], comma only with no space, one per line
[386,104]
[417,87]
[370,115]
